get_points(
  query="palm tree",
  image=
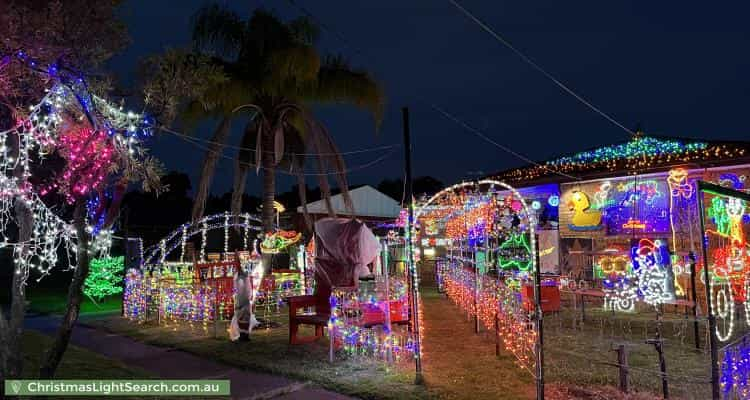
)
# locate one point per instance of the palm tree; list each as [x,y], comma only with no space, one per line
[275,74]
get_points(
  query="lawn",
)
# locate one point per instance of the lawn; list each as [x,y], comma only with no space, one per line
[268,351]
[77,363]
[53,301]
[459,364]
[584,355]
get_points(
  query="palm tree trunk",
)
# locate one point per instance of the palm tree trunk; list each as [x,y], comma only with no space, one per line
[214,151]
[269,183]
[75,296]
[242,167]
[269,188]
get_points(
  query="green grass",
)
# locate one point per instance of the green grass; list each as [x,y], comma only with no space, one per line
[53,301]
[459,364]
[268,351]
[77,363]
[591,344]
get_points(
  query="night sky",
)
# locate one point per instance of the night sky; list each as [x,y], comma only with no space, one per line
[673,68]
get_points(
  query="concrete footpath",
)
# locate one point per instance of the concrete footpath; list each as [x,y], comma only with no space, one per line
[169,363]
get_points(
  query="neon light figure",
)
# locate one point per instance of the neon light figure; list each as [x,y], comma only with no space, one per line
[584,218]
[680,189]
[620,294]
[601,197]
[718,212]
[730,264]
[515,253]
[651,265]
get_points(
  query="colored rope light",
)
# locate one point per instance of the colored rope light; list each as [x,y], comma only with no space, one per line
[642,152]
[275,242]
[647,280]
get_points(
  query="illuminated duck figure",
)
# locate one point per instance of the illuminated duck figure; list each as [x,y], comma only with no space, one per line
[583,217]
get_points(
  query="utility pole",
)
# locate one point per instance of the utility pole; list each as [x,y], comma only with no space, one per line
[539,319]
[410,250]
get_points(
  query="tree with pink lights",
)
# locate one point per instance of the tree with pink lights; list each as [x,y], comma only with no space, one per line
[61,145]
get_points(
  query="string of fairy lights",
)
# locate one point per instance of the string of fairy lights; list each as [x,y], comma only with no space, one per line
[639,154]
[483,217]
[87,131]
[180,236]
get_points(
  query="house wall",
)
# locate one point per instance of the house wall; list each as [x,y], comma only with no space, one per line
[619,211]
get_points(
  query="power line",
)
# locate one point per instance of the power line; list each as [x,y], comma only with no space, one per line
[488,139]
[230,146]
[220,153]
[537,67]
[453,118]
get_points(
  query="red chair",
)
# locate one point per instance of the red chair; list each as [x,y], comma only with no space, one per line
[320,300]
[550,297]
[372,314]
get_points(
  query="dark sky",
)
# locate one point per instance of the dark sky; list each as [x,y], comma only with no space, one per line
[675,68]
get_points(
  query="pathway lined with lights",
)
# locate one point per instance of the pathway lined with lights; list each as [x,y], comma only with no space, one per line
[169,363]
[455,357]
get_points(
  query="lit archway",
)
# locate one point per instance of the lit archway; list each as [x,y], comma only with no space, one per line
[157,253]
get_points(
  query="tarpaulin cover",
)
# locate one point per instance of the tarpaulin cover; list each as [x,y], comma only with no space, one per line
[344,247]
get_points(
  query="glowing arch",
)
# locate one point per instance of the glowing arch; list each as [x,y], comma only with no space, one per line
[157,253]
[489,182]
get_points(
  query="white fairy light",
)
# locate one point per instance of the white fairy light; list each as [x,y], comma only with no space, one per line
[722,302]
[183,242]
[35,137]
[203,241]
[163,249]
[212,222]
[246,231]
[226,232]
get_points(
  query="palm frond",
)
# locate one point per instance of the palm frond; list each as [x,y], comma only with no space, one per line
[174,76]
[220,136]
[217,28]
[289,69]
[217,101]
[304,30]
[339,83]
[266,33]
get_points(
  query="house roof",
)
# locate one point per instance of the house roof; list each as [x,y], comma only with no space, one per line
[640,154]
[367,201]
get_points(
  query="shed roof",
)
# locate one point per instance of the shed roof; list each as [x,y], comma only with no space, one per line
[367,201]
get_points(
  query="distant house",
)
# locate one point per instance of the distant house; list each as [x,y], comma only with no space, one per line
[370,206]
